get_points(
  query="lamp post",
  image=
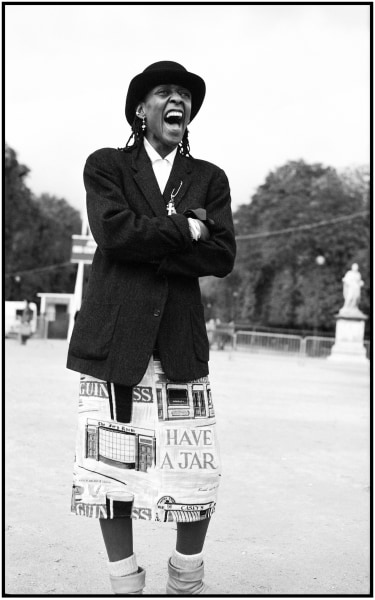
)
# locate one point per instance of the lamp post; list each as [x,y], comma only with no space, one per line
[17,284]
[234,306]
[320,262]
[208,314]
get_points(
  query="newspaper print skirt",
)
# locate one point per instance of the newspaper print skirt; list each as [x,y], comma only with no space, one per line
[148,451]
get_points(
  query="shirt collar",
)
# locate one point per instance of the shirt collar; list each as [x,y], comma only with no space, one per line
[154,156]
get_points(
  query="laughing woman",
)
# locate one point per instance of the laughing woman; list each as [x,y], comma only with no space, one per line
[146,442]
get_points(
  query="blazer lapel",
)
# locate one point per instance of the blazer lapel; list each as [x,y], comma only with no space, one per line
[147,183]
[179,180]
[146,180]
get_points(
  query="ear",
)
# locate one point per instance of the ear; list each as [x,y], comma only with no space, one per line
[140,111]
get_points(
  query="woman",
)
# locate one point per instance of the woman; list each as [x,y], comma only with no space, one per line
[146,445]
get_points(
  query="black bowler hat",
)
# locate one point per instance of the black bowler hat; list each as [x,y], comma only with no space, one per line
[164,71]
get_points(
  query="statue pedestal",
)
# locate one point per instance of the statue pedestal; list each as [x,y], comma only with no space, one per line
[350,331]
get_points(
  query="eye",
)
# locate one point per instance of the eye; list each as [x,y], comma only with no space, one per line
[185,93]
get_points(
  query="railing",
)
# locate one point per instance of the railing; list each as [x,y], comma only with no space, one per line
[311,346]
[255,341]
[318,347]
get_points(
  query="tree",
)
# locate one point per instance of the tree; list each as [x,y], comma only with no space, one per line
[37,237]
[59,221]
[20,214]
[279,237]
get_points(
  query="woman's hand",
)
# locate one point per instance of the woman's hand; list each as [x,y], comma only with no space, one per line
[205,234]
[198,230]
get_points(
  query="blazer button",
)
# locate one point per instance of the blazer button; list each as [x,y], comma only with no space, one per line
[156,312]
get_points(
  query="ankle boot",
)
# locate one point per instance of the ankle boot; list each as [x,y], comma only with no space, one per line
[184,582]
[130,585]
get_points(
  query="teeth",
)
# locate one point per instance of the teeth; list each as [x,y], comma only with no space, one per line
[174,113]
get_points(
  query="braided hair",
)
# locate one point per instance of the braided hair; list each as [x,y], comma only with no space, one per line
[137,136]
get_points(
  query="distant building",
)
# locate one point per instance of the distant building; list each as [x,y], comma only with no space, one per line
[56,312]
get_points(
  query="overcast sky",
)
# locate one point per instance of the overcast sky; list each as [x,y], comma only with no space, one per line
[284,82]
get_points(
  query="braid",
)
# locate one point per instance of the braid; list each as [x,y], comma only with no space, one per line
[137,133]
[184,146]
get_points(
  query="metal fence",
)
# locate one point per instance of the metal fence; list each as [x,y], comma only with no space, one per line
[318,347]
[311,346]
[255,341]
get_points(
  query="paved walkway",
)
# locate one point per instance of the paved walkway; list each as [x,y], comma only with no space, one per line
[293,511]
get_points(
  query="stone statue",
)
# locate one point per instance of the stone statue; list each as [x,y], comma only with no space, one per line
[352,290]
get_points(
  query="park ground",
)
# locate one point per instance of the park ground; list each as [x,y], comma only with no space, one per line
[294,501]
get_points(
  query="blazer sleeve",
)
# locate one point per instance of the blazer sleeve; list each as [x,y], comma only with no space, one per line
[119,232]
[215,256]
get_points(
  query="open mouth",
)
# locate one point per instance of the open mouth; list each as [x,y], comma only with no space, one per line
[174,118]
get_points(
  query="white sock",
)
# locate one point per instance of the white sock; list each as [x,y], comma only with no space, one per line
[186,561]
[121,568]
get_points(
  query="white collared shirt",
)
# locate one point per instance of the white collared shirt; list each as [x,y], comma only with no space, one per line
[162,167]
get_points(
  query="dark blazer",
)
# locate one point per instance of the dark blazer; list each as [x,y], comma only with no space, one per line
[143,288]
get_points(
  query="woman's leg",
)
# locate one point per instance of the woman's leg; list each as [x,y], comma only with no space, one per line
[185,566]
[191,536]
[118,537]
[125,575]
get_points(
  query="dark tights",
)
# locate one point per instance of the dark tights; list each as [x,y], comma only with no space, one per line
[118,537]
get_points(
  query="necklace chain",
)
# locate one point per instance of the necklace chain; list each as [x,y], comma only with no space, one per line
[170,205]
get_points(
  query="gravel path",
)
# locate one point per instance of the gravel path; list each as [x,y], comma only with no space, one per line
[293,511]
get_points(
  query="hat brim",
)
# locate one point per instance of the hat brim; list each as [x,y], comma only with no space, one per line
[141,84]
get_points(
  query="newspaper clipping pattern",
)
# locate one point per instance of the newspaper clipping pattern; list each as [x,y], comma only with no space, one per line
[163,464]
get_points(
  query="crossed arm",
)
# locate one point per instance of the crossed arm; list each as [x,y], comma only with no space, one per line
[166,241]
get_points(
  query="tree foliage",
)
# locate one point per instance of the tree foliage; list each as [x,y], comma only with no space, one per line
[37,235]
[294,218]
[301,212]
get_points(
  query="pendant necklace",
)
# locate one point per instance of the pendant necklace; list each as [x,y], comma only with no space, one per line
[171,210]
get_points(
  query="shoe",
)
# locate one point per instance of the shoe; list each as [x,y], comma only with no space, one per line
[184,582]
[130,585]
